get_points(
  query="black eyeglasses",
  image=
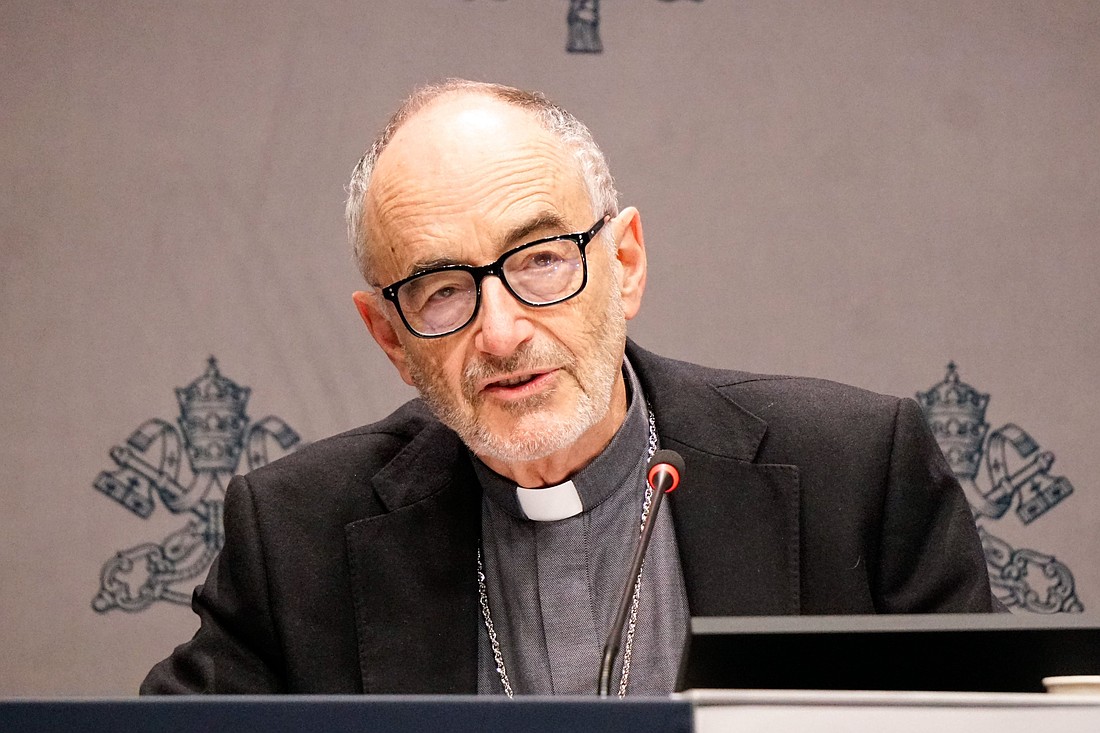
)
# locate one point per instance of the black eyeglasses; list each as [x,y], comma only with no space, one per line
[446,299]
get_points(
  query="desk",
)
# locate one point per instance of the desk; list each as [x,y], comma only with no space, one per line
[834,711]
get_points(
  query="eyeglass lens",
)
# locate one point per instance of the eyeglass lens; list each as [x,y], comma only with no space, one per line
[537,274]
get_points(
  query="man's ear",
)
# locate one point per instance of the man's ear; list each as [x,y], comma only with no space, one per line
[627,230]
[370,307]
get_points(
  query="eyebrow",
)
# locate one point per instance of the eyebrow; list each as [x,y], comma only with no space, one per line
[519,234]
[542,221]
[422,266]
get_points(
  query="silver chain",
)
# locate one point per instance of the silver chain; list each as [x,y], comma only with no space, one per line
[483,597]
[632,625]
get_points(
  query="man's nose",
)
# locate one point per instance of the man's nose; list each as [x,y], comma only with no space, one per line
[502,321]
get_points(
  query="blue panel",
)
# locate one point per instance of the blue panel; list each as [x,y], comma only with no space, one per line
[297,714]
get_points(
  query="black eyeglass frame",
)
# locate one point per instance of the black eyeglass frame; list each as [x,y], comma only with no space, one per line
[496,268]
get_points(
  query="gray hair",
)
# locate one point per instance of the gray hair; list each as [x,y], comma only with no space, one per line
[572,133]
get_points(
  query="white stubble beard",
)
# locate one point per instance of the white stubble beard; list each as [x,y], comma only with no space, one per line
[536,432]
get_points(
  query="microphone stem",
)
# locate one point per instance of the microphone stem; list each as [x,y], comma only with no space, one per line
[611,647]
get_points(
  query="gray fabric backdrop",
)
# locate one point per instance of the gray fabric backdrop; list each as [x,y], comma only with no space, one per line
[857,191]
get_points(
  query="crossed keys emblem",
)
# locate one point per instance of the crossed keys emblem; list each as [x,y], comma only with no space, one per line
[214,432]
[1039,492]
[1023,577]
[1016,471]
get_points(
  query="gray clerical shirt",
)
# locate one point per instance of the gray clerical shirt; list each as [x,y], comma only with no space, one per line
[553,586]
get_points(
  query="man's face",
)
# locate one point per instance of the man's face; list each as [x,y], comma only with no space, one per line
[463,181]
[538,400]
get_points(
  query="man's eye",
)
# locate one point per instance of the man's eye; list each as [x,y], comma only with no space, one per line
[542,260]
[442,294]
[438,289]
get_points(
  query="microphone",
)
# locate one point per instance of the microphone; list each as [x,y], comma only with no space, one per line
[663,474]
[665,469]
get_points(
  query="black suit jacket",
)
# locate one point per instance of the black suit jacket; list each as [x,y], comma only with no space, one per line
[349,565]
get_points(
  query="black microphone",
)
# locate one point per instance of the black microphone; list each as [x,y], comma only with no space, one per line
[663,474]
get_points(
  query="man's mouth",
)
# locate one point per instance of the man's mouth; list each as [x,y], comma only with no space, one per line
[516,384]
[514,381]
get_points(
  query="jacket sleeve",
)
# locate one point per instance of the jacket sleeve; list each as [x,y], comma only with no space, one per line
[235,650]
[931,559]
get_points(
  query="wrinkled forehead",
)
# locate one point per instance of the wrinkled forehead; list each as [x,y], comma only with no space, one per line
[462,169]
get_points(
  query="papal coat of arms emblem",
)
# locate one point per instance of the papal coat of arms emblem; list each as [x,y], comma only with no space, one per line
[215,433]
[1016,473]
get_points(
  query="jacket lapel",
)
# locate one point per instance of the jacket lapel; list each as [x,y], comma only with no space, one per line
[413,571]
[736,520]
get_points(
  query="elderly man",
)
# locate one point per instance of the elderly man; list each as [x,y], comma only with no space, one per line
[477,540]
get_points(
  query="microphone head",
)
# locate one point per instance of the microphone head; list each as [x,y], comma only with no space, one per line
[666,461]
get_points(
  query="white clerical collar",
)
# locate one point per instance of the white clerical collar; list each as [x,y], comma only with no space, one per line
[551,503]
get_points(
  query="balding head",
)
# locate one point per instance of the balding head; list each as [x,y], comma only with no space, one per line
[567,131]
[468,187]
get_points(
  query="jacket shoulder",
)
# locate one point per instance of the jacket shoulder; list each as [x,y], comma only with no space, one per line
[799,412]
[806,415]
[806,398]
[800,398]
[336,468]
